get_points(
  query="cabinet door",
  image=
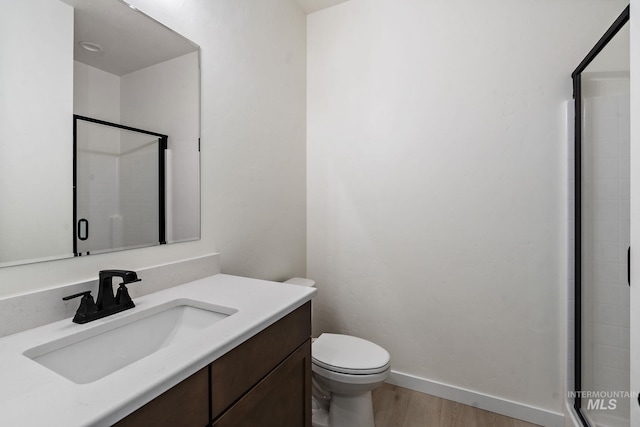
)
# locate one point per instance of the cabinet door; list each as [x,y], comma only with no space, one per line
[233,374]
[281,399]
[185,405]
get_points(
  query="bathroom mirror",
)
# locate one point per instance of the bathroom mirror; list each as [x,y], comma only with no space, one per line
[106,62]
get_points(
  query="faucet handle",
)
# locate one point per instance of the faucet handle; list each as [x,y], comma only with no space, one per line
[87,306]
[81,294]
[122,296]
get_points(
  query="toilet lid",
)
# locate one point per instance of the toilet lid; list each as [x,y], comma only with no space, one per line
[349,355]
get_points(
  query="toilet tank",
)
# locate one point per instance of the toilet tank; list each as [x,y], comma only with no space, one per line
[301,281]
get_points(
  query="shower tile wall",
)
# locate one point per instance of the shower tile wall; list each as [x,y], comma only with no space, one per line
[606,165]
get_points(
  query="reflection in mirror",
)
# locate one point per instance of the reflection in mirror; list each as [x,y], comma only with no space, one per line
[119,187]
[103,60]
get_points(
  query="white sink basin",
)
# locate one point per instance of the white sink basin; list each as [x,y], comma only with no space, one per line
[115,343]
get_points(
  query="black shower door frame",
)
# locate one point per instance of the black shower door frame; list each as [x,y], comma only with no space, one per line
[162,147]
[577,96]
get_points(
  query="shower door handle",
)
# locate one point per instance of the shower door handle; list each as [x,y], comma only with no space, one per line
[629,265]
[83,229]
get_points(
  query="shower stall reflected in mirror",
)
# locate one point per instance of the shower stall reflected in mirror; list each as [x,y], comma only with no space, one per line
[602,192]
[119,187]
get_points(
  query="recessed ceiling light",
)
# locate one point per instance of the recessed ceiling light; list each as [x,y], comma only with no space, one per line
[90,47]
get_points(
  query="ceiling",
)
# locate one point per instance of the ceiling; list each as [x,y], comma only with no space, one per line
[310,6]
[130,40]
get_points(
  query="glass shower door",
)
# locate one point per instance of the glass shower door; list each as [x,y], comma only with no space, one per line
[605,237]
[119,187]
[603,373]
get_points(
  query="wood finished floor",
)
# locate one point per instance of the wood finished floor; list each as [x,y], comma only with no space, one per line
[399,407]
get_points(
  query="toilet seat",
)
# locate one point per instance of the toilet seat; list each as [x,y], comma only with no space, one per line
[346,354]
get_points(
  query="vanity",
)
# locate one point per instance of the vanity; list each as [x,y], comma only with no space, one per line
[119,169]
[236,351]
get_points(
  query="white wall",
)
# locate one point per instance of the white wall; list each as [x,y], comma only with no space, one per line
[96,93]
[437,184]
[253,71]
[253,151]
[165,98]
[35,130]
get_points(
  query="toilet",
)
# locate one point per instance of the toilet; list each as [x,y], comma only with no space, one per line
[345,371]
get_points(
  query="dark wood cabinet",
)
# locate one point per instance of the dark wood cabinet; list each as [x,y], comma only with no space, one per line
[265,381]
[281,399]
[183,405]
[243,367]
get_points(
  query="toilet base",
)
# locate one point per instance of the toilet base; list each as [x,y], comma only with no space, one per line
[319,418]
[353,410]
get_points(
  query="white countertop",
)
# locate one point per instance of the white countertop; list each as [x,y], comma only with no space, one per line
[32,395]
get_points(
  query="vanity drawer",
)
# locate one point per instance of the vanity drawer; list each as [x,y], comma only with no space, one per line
[239,370]
[183,405]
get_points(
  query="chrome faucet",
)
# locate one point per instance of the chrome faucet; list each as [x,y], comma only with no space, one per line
[106,304]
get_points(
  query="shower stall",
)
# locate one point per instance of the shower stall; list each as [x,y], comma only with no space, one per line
[119,187]
[601,178]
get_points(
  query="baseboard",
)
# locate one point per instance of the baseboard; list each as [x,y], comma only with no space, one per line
[570,416]
[479,400]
